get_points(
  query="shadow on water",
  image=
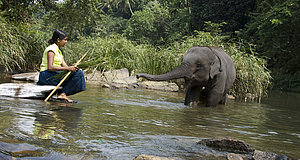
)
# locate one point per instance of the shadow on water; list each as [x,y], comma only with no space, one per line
[121,124]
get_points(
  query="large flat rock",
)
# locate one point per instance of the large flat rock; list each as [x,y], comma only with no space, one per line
[30,76]
[25,90]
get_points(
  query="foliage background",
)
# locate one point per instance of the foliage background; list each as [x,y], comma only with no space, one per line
[152,35]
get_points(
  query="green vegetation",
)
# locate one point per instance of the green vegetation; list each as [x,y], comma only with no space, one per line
[20,46]
[152,35]
[274,28]
[116,52]
[10,48]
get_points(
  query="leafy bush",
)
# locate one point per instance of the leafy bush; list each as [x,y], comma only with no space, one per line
[149,25]
[275,29]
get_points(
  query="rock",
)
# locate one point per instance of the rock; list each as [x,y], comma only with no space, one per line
[180,83]
[227,144]
[230,97]
[249,97]
[149,157]
[165,86]
[131,80]
[93,77]
[105,85]
[113,76]
[25,90]
[260,155]
[282,157]
[233,156]
[115,85]
[21,150]
[112,79]
[31,76]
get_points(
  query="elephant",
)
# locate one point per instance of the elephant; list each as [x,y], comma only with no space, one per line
[208,72]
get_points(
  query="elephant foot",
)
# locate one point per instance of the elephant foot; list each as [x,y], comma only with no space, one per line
[193,104]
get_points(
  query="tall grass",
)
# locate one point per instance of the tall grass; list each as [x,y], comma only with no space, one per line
[11,50]
[33,41]
[115,52]
[21,46]
[252,74]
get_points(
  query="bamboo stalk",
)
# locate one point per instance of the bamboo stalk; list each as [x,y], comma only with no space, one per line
[66,76]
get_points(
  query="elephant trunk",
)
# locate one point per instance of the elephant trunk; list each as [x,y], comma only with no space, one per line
[179,72]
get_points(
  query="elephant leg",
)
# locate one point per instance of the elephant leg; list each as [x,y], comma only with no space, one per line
[193,95]
[213,98]
[215,92]
[223,99]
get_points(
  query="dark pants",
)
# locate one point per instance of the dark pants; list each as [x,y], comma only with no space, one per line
[73,84]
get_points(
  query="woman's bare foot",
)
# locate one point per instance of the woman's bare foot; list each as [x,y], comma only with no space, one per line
[64,97]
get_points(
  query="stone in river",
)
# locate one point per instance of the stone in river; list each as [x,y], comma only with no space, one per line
[25,90]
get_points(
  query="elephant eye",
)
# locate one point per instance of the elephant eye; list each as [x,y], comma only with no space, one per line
[198,65]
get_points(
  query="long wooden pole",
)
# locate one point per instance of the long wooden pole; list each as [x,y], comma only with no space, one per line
[66,76]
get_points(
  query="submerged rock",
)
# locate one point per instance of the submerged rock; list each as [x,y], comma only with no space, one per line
[21,150]
[227,144]
[260,155]
[149,157]
[233,156]
[241,150]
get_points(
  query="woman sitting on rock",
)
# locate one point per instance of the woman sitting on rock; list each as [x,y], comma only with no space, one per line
[53,63]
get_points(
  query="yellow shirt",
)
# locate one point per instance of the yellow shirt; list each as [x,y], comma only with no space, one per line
[58,57]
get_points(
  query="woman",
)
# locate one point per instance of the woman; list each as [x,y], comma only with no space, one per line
[53,63]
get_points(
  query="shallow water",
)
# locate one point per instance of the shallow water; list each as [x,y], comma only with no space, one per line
[124,123]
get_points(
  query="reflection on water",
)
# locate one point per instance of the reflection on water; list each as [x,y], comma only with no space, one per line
[121,124]
[60,118]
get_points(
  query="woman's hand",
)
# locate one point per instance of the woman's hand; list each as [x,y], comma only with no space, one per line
[72,68]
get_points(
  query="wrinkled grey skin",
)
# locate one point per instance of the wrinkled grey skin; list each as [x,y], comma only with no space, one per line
[208,72]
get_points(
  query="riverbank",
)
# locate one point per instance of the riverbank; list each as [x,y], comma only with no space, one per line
[117,79]
[112,79]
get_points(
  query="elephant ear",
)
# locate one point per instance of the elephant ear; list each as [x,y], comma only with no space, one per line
[215,63]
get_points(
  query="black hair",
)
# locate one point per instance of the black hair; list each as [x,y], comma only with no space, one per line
[57,34]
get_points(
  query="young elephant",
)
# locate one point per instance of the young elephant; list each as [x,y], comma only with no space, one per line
[208,71]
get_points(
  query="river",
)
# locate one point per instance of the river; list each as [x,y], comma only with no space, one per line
[123,123]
